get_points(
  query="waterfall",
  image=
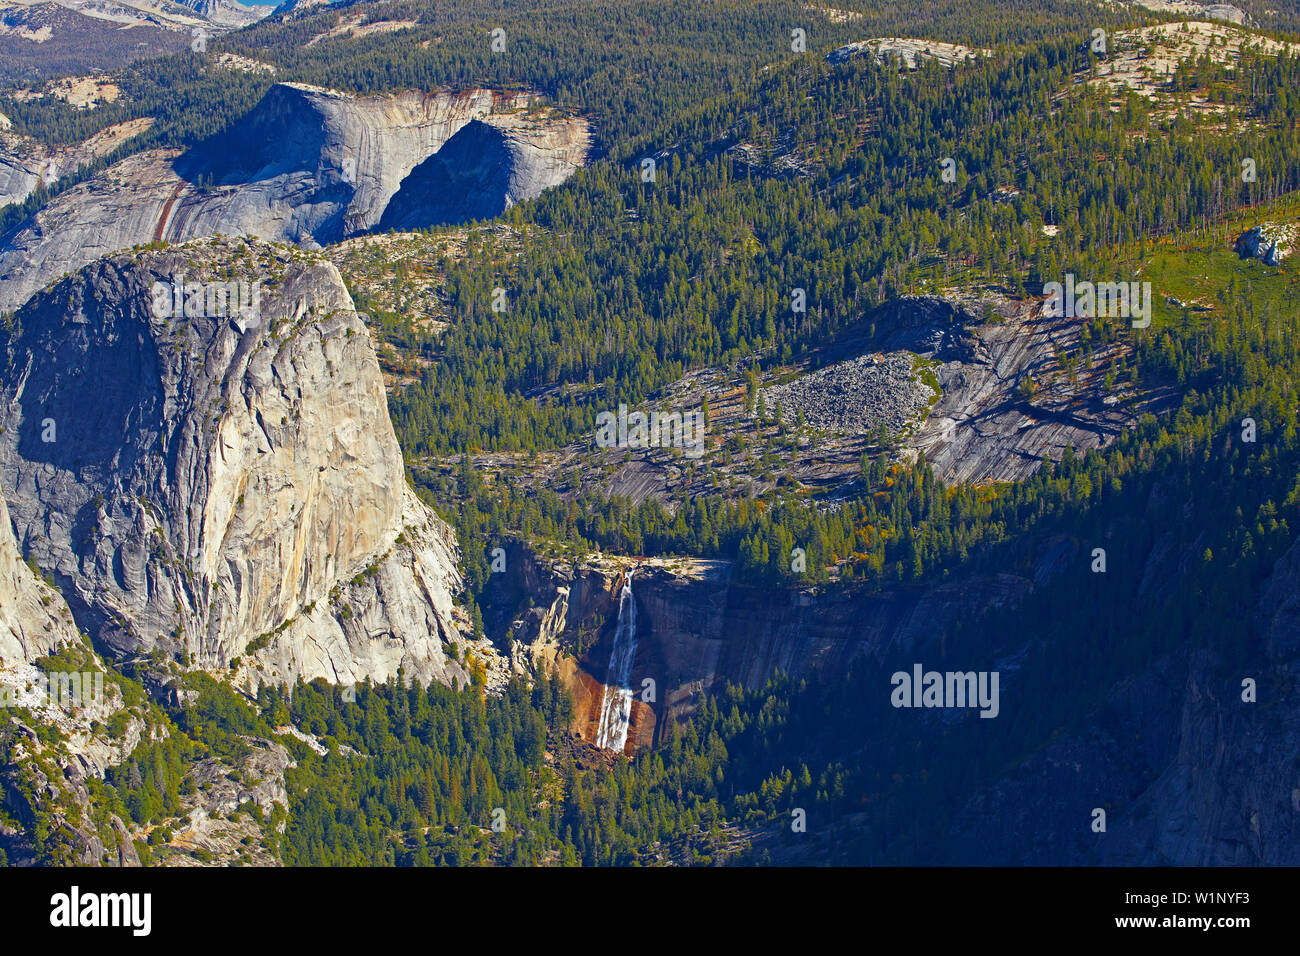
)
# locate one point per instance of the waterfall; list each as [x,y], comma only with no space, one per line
[616,704]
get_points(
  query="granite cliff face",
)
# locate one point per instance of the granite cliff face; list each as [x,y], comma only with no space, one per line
[309,166]
[983,427]
[490,164]
[220,487]
[1193,766]
[41,775]
[699,630]
[37,773]
[33,617]
[1189,773]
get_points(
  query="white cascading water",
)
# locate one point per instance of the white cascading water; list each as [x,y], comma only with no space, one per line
[616,704]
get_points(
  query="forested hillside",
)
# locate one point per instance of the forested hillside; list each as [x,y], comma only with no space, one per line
[738,168]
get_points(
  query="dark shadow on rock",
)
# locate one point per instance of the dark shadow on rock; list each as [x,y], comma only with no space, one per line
[465,180]
[110,355]
[282,134]
[928,325]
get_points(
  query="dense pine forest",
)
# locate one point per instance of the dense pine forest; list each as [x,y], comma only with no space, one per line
[775,169]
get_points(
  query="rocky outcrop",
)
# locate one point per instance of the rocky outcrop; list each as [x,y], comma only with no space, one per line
[22,168]
[698,629]
[34,620]
[1014,388]
[52,745]
[26,163]
[481,171]
[226,13]
[1006,403]
[544,611]
[291,9]
[221,487]
[1269,243]
[45,772]
[1226,12]
[309,166]
[211,829]
[40,785]
[1190,8]
[907,52]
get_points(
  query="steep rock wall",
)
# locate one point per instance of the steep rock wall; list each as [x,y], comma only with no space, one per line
[306,165]
[208,486]
[698,629]
[34,620]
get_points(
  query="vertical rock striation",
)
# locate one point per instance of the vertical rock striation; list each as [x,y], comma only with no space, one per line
[215,491]
[309,166]
[33,618]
